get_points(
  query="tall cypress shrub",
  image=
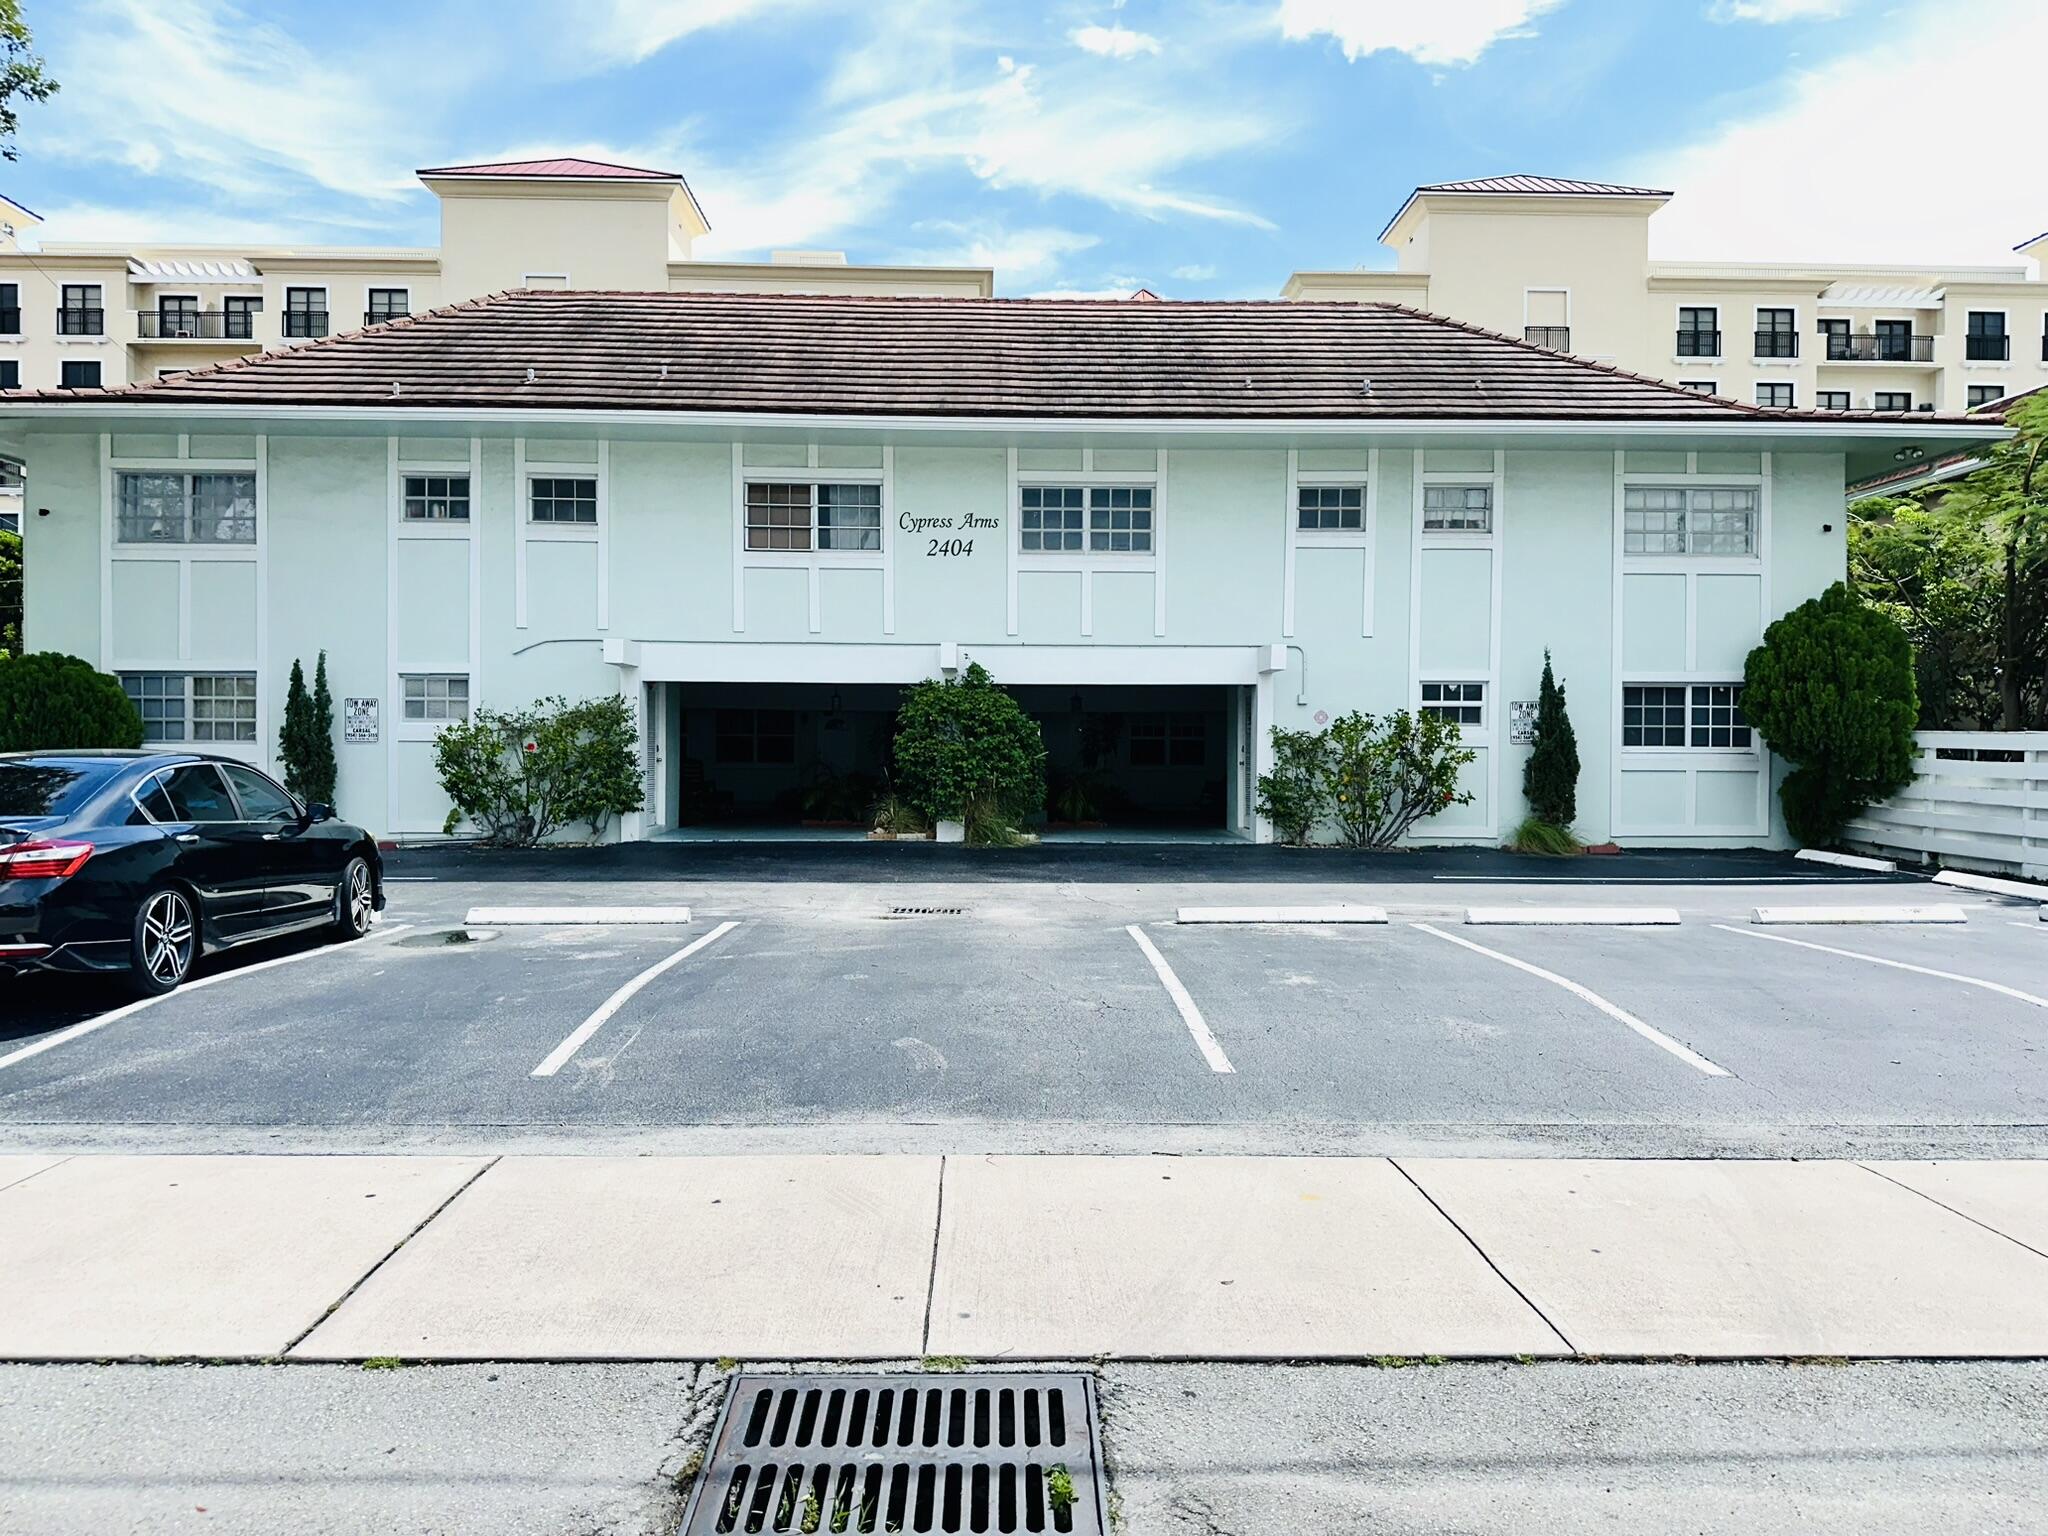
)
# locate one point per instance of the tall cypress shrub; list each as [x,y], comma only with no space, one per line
[321,768]
[1550,777]
[294,737]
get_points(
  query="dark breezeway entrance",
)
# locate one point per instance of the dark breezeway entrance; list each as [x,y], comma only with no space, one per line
[796,757]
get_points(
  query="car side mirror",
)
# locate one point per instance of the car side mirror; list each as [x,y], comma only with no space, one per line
[318,812]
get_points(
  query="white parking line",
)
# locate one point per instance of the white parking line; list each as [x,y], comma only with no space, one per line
[1656,1037]
[1313,915]
[573,917]
[1897,965]
[129,1010]
[1589,917]
[1190,1015]
[559,1056]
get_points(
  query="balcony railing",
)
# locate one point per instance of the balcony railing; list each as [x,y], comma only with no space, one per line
[1777,343]
[81,322]
[10,321]
[199,324]
[1556,337]
[1699,343]
[1879,347]
[1987,349]
[379,316]
[305,322]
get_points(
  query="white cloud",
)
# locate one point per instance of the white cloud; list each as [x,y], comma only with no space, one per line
[1771,12]
[1026,255]
[1441,33]
[1799,180]
[627,31]
[1195,272]
[1115,42]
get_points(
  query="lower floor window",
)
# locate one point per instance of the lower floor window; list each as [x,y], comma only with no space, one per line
[1832,400]
[1684,715]
[1464,703]
[79,375]
[1891,400]
[1984,394]
[194,706]
[1778,395]
[1169,741]
[756,736]
[436,695]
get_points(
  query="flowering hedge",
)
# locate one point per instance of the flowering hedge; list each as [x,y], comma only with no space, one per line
[1373,776]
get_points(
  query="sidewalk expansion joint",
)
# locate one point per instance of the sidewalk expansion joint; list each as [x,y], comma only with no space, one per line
[361,1280]
[931,1285]
[1485,1257]
[1954,1211]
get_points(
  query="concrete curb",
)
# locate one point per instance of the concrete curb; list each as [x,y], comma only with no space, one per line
[1964,880]
[1848,860]
[1848,915]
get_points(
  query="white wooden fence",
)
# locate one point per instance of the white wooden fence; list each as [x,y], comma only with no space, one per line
[1980,802]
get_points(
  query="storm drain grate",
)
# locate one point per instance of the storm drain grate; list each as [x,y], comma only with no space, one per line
[861,1453]
[927,911]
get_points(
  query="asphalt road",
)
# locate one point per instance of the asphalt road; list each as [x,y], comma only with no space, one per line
[1457,1450]
[1033,1020]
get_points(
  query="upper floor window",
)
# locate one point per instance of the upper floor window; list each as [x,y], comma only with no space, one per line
[1457,508]
[154,507]
[1700,386]
[305,312]
[805,515]
[79,311]
[562,499]
[1984,394]
[1330,508]
[436,498]
[80,375]
[1831,399]
[1118,519]
[387,304]
[1699,331]
[238,312]
[10,309]
[1987,341]
[1689,520]
[1776,395]
[1775,333]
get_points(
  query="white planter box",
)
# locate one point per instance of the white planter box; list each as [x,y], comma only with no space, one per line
[952,832]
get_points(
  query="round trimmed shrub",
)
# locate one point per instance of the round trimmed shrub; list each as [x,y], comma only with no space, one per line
[966,746]
[51,702]
[1831,691]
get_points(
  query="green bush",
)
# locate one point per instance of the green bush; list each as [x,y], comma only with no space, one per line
[1550,775]
[1831,690]
[10,592]
[50,701]
[1298,793]
[967,742]
[1390,773]
[522,775]
[1545,838]
[305,742]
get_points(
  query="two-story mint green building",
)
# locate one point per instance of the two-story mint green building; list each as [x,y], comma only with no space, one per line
[1170,526]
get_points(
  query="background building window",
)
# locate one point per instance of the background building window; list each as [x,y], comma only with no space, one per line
[1891,400]
[437,498]
[80,312]
[158,508]
[387,304]
[1987,341]
[1832,399]
[194,706]
[238,315]
[10,309]
[566,500]
[10,374]
[1168,741]
[1051,518]
[1775,395]
[1984,394]
[305,312]
[436,695]
[1700,386]
[1776,333]
[1677,520]
[79,375]
[1330,508]
[1457,508]
[1463,702]
[1699,331]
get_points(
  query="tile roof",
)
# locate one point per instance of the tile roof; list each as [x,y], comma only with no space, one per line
[565,167]
[1560,185]
[568,350]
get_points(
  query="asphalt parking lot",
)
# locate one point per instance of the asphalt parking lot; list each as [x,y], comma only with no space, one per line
[1019,1007]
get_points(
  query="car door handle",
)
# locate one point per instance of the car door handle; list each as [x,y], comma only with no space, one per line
[273,837]
[187,837]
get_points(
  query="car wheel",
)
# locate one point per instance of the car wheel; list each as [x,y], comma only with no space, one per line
[355,900]
[165,942]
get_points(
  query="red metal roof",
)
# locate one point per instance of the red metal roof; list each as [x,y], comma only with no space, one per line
[1560,185]
[566,168]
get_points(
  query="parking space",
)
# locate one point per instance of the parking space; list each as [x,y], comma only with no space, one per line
[1080,1014]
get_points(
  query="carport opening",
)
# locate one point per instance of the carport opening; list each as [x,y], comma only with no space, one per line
[816,757]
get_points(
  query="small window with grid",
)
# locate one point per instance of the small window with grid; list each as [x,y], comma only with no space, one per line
[1457,508]
[1330,508]
[224,706]
[1051,519]
[1120,519]
[554,499]
[850,517]
[1653,520]
[1464,703]
[778,515]
[159,697]
[1168,741]
[1831,400]
[1652,715]
[1777,396]
[437,498]
[436,695]
[1674,520]
[157,508]
[1717,718]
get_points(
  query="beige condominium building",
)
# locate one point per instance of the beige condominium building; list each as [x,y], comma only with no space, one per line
[1566,264]
[85,315]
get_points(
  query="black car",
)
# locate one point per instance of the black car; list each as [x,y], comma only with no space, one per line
[143,861]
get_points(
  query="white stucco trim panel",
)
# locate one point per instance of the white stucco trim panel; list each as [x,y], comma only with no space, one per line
[1365,538]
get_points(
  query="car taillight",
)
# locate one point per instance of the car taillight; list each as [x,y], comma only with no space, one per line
[43,860]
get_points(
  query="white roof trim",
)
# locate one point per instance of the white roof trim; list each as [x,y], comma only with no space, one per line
[1881,296]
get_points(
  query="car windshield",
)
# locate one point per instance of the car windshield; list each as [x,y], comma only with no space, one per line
[48,788]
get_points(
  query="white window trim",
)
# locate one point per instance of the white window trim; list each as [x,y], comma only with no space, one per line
[526,279]
[1298,538]
[524,472]
[1494,541]
[1089,562]
[401,661]
[813,562]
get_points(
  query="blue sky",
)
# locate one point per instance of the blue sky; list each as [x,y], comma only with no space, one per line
[1203,148]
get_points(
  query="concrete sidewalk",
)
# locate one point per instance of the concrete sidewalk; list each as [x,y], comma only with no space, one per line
[992,1257]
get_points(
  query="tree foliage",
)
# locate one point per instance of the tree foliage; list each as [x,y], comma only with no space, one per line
[966,744]
[1550,775]
[1371,778]
[1298,793]
[10,592]
[22,75]
[305,742]
[50,701]
[522,775]
[1831,690]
